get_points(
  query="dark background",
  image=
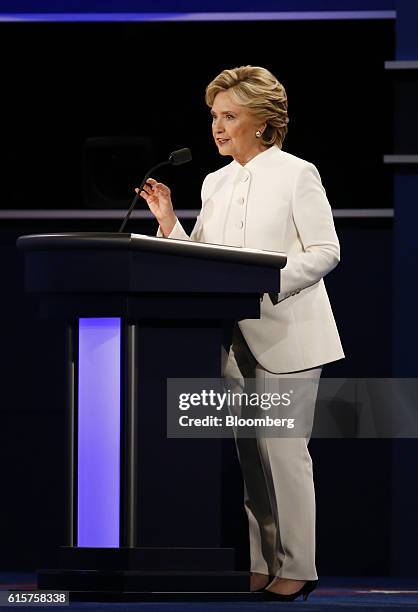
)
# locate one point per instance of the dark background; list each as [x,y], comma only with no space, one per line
[64,83]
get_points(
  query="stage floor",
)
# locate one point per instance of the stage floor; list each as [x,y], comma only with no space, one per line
[344,593]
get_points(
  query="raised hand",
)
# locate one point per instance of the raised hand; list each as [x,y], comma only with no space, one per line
[158,198]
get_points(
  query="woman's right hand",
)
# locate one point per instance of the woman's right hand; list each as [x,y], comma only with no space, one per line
[158,198]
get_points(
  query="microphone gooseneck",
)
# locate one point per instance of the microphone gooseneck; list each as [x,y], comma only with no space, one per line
[176,158]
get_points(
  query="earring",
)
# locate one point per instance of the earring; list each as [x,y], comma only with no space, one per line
[258,134]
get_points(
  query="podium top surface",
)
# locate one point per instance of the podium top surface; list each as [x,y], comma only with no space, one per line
[141,242]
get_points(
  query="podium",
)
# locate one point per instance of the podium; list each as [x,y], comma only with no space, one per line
[143,511]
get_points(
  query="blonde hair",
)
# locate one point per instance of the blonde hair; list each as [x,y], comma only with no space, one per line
[258,90]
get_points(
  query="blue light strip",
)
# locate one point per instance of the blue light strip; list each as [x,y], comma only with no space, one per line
[98,418]
[221,16]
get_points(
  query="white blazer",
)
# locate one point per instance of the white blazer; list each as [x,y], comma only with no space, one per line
[277,202]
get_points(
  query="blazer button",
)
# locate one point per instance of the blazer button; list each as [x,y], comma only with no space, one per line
[240,224]
[241,200]
[244,178]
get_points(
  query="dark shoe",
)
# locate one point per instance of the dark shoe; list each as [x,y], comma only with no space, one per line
[308,587]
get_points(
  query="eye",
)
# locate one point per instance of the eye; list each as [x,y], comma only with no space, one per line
[230,116]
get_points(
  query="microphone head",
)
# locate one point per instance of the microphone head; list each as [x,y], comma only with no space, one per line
[181,156]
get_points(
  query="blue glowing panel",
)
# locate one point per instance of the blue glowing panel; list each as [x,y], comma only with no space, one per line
[99,363]
[201,16]
[190,6]
[190,10]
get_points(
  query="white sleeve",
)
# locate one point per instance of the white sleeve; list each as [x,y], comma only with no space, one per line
[314,222]
[177,232]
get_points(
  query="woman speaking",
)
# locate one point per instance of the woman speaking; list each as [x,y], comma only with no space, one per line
[268,199]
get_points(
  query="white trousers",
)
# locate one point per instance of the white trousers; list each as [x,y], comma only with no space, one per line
[279,494]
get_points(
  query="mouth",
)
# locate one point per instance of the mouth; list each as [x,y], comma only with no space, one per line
[222,141]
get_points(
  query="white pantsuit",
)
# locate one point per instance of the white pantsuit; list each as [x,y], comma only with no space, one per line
[279,495]
[276,202]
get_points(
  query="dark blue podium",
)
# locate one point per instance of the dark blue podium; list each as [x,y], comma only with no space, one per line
[143,511]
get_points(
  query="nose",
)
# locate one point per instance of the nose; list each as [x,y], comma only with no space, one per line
[217,126]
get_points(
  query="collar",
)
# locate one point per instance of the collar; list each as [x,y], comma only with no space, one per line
[259,159]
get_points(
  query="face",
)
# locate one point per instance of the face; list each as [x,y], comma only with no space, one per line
[234,128]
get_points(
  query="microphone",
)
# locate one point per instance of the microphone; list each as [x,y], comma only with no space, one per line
[181,156]
[176,158]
